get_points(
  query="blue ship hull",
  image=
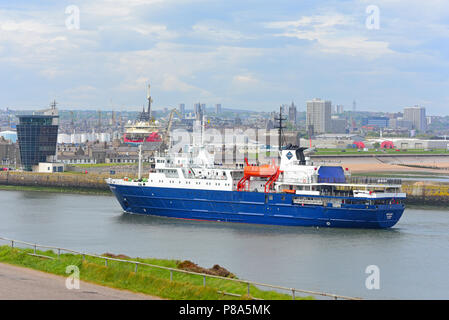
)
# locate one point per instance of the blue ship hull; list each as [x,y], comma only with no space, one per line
[252,207]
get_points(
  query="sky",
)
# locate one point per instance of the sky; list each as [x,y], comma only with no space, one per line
[253,54]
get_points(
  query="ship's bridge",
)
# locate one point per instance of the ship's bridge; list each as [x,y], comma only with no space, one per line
[297,169]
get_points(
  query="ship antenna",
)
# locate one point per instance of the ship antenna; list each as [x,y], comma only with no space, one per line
[280,127]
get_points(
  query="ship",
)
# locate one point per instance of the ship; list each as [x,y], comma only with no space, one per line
[141,132]
[293,192]
[144,129]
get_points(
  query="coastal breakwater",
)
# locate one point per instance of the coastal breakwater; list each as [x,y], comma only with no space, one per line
[54,180]
[426,193]
[422,193]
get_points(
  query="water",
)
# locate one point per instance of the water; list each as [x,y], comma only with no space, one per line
[413,257]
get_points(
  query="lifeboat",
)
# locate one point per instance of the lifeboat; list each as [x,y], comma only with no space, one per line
[270,171]
[264,171]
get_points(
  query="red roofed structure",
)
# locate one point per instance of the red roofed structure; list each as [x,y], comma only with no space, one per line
[358,144]
[387,145]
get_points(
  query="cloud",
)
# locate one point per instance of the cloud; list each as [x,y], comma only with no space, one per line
[80,93]
[157,31]
[229,52]
[81,89]
[171,83]
[139,83]
[127,9]
[183,69]
[332,33]
[210,31]
[316,22]
[116,8]
[356,46]
[245,80]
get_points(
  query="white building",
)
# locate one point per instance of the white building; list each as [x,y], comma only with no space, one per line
[50,167]
[77,138]
[416,115]
[318,118]
[402,143]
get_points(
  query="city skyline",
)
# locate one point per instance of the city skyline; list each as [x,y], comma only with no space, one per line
[243,55]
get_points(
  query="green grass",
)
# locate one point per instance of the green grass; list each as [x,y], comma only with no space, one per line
[391,173]
[371,151]
[56,189]
[399,174]
[147,280]
[93,165]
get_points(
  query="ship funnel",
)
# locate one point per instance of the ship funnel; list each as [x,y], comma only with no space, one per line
[293,155]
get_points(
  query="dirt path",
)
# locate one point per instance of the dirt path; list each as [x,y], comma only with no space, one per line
[17,283]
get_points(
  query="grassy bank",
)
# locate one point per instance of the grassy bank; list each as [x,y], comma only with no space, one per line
[57,189]
[147,280]
[419,175]
[100,165]
[352,151]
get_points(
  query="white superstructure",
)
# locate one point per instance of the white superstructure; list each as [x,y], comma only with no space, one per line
[295,174]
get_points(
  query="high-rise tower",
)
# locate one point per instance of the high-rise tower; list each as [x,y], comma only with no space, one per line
[318,116]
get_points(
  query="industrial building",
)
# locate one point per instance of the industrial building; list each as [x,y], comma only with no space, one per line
[37,136]
[420,144]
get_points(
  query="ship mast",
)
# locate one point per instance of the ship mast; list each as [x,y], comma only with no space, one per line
[140,162]
[149,102]
[280,127]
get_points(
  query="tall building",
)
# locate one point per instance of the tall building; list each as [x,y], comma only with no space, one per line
[218,108]
[339,109]
[416,115]
[292,113]
[113,122]
[37,136]
[182,108]
[199,111]
[318,119]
